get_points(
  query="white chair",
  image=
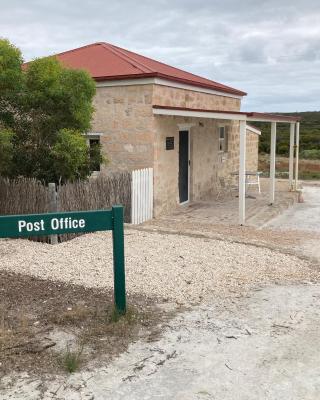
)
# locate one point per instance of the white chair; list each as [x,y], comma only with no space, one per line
[253,179]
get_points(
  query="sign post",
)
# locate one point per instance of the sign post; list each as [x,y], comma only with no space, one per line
[118,260]
[75,222]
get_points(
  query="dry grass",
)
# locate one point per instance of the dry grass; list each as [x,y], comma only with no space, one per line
[72,316]
[5,331]
[36,315]
[308,169]
[71,360]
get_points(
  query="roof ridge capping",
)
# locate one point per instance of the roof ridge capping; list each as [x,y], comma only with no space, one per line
[76,49]
[119,51]
[94,58]
[219,85]
[66,51]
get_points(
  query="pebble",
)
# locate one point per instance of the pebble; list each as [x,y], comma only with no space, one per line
[179,268]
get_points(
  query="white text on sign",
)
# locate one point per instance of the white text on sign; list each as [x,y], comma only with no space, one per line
[55,224]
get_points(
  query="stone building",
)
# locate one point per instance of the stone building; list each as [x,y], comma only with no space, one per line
[149,114]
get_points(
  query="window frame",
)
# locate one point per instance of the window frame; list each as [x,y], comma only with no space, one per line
[96,136]
[223,141]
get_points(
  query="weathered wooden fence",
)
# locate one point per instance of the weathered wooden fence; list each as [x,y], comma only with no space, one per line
[97,194]
[28,196]
[23,196]
[134,190]
[142,195]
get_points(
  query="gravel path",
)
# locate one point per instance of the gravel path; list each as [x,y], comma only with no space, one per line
[302,216]
[180,268]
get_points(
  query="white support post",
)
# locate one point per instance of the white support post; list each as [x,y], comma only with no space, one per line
[273,160]
[291,155]
[242,173]
[296,183]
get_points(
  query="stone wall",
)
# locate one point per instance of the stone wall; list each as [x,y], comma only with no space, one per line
[166,165]
[207,164]
[134,138]
[252,151]
[124,116]
[167,96]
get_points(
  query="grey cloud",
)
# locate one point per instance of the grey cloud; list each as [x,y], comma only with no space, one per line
[271,49]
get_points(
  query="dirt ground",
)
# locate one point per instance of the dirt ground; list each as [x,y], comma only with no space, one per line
[261,346]
[42,322]
[257,341]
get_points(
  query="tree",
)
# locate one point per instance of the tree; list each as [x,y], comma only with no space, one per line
[6,151]
[48,108]
[70,155]
[10,80]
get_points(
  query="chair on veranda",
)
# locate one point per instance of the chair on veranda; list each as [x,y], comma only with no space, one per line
[253,179]
[226,188]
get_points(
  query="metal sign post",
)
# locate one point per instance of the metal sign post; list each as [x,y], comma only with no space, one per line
[74,222]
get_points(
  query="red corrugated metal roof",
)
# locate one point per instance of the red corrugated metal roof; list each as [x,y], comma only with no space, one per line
[105,61]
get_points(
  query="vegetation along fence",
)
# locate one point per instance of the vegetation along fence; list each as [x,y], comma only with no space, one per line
[134,190]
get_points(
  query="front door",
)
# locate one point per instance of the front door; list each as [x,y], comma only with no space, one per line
[183,166]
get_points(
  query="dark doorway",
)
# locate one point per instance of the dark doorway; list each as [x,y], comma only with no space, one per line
[183,166]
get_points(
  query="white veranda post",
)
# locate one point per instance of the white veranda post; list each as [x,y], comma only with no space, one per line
[242,173]
[297,155]
[273,160]
[291,155]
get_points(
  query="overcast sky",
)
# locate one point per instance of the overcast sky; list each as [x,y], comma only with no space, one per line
[270,49]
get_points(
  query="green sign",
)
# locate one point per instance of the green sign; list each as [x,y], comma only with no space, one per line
[55,223]
[73,222]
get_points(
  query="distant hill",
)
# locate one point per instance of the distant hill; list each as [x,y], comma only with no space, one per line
[309,134]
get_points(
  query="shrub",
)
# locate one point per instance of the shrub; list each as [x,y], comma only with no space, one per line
[310,154]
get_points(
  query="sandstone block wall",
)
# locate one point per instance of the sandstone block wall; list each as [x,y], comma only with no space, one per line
[166,165]
[134,138]
[167,96]
[124,116]
[252,151]
[206,162]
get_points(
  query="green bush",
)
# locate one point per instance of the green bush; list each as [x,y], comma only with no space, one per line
[45,108]
[309,134]
[310,154]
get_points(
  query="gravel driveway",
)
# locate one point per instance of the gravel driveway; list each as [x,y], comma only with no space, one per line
[244,337]
[175,267]
[302,216]
[303,221]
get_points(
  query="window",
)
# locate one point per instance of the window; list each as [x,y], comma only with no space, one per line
[223,139]
[94,146]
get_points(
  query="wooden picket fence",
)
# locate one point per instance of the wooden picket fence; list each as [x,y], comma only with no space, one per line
[141,195]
